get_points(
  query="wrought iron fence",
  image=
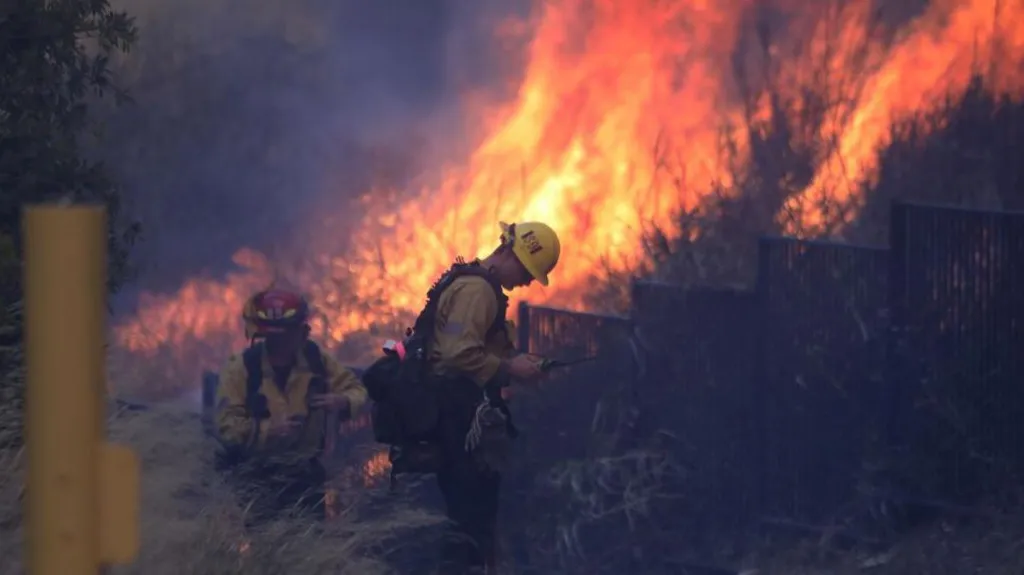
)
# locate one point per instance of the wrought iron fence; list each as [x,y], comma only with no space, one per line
[564,414]
[958,355]
[578,412]
[553,332]
[698,387]
[822,349]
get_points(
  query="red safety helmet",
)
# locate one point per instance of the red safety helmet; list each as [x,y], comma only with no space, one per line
[274,311]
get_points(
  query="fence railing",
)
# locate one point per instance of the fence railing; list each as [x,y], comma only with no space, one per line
[698,387]
[554,332]
[821,333]
[957,355]
[842,368]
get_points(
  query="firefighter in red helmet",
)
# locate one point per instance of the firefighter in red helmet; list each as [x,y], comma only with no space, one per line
[274,401]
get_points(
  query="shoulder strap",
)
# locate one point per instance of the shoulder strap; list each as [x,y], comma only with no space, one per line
[317,383]
[255,402]
[460,269]
[475,269]
[315,360]
[252,358]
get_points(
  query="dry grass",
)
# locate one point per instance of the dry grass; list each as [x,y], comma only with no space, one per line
[191,523]
[592,515]
[992,545]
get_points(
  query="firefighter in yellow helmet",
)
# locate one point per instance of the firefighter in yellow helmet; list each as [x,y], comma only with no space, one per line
[472,357]
[274,401]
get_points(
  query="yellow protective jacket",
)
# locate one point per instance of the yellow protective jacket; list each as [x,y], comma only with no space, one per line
[237,428]
[464,341]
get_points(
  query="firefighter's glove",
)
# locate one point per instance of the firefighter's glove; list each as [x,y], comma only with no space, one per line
[329,401]
[524,367]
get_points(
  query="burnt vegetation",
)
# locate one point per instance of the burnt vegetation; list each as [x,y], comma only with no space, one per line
[702,440]
[802,407]
[801,401]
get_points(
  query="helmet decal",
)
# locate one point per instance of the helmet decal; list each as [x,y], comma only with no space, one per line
[274,310]
[532,244]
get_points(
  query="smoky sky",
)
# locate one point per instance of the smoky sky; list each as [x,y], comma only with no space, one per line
[248,115]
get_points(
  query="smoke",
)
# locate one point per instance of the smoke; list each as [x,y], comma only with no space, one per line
[250,118]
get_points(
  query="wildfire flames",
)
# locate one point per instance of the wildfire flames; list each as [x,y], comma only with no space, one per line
[620,121]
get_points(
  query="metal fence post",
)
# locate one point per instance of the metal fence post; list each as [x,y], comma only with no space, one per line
[761,378]
[897,386]
[82,495]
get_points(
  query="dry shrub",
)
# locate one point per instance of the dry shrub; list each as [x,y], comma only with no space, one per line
[989,542]
[12,377]
[590,480]
[963,153]
[615,493]
[191,522]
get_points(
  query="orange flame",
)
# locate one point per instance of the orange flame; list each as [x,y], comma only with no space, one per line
[620,121]
[375,468]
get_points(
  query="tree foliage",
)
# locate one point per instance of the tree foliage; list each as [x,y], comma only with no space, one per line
[246,113]
[54,63]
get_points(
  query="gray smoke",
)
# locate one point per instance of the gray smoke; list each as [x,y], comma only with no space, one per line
[249,115]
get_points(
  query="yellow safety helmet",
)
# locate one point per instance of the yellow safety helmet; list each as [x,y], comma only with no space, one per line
[536,246]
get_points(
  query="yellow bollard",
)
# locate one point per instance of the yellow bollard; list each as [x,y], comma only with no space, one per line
[82,494]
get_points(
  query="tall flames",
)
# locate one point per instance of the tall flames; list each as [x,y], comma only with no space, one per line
[627,112]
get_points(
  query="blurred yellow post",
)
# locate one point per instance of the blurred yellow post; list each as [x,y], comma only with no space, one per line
[82,494]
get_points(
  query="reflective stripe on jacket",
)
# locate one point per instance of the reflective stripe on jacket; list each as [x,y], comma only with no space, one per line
[464,342]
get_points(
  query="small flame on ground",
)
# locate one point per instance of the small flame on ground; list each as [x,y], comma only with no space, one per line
[376,468]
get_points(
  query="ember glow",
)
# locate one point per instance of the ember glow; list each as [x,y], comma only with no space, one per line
[375,468]
[619,122]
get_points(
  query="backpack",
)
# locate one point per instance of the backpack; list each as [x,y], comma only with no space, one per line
[405,407]
[256,402]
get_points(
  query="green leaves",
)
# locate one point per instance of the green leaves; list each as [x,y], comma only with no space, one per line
[54,66]
[55,63]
